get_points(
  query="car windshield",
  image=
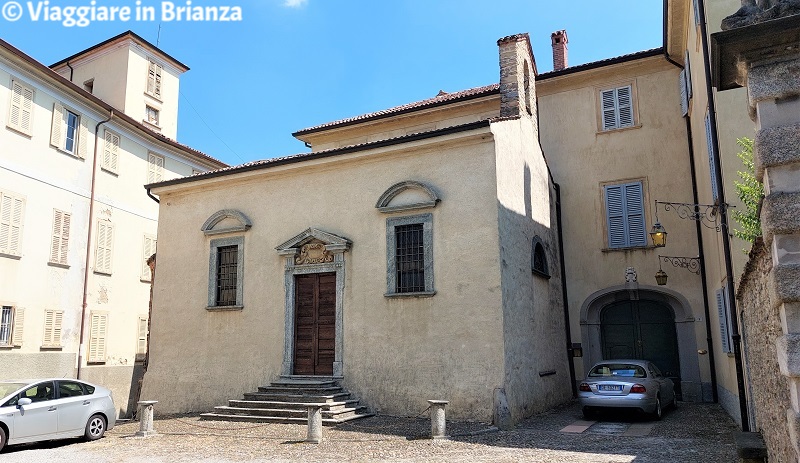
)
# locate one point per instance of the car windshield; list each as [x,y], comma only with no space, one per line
[617,369]
[8,388]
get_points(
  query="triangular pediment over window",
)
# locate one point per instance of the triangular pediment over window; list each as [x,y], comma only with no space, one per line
[330,241]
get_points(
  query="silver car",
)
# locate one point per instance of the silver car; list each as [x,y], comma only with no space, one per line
[45,409]
[632,384]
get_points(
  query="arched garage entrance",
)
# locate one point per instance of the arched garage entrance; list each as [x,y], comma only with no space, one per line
[641,329]
[643,322]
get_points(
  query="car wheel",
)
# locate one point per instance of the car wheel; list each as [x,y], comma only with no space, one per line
[657,413]
[95,427]
[3,438]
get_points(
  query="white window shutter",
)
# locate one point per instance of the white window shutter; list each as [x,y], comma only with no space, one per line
[609,109]
[19,323]
[155,168]
[141,346]
[55,242]
[149,248]
[625,105]
[52,328]
[151,78]
[158,81]
[11,210]
[684,98]
[105,241]
[57,132]
[59,245]
[83,138]
[21,109]
[111,151]
[97,337]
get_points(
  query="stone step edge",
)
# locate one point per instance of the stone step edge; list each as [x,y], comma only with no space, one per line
[292,404]
[275,419]
[288,410]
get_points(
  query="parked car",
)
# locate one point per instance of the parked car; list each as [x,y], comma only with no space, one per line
[629,384]
[46,409]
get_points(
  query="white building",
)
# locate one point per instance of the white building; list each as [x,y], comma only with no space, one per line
[78,140]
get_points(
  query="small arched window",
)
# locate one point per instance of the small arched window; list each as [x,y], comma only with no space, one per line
[539,259]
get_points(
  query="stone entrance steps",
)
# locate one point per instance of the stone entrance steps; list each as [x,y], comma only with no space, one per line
[286,401]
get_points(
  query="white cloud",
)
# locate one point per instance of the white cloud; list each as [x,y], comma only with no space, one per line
[295,3]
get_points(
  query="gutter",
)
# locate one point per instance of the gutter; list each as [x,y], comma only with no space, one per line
[698,233]
[723,216]
[84,304]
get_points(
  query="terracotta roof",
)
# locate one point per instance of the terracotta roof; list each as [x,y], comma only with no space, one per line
[603,62]
[274,162]
[97,101]
[440,99]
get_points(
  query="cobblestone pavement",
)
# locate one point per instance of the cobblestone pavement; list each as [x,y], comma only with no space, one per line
[692,433]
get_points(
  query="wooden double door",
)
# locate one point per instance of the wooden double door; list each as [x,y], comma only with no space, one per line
[314,323]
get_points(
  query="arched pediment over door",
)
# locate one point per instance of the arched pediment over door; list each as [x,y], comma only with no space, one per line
[314,261]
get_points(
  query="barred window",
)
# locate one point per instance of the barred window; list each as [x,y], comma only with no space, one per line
[225,278]
[410,258]
[226,275]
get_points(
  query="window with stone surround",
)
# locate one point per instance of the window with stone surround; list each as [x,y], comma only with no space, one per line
[409,251]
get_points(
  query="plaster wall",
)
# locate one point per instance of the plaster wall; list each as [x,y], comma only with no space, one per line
[537,374]
[397,352]
[110,72]
[418,121]
[583,159]
[732,123]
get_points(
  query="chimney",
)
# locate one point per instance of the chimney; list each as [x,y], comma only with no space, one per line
[559,41]
[517,75]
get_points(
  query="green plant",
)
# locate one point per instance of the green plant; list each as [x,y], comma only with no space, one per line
[750,191]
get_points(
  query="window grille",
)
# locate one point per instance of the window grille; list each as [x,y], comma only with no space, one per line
[5,326]
[227,260]
[410,258]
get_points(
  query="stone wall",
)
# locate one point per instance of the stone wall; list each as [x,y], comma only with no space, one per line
[761,327]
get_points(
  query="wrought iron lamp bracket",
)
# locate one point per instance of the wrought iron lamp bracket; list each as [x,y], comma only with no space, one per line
[691,264]
[706,214]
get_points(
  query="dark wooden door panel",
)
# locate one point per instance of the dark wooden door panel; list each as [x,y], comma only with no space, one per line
[315,324]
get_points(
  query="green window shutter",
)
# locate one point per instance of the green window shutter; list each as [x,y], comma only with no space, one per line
[615,216]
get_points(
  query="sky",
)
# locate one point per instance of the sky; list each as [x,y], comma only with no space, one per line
[292,64]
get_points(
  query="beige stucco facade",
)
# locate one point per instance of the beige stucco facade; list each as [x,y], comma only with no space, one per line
[478,338]
[52,181]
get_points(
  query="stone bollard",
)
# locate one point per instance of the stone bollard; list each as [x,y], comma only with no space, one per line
[146,418]
[438,422]
[314,435]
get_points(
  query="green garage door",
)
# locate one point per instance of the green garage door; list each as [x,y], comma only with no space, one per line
[641,330]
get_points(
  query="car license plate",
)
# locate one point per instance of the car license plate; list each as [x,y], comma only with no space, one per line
[610,387]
